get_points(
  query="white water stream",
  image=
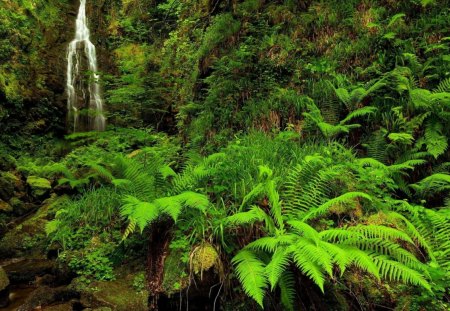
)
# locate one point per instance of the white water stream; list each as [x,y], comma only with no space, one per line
[83,92]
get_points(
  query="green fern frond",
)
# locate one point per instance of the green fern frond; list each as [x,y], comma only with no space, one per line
[362,260]
[286,284]
[345,198]
[277,265]
[308,250]
[432,184]
[309,268]
[395,271]
[138,211]
[251,273]
[271,243]
[361,112]
[251,216]
[383,232]
[443,87]
[305,230]
[436,142]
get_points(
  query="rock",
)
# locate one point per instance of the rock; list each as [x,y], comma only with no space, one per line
[4,288]
[117,295]
[19,207]
[29,239]
[39,186]
[26,271]
[4,280]
[46,296]
[61,307]
[6,188]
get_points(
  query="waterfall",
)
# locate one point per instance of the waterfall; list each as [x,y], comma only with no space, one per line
[84,96]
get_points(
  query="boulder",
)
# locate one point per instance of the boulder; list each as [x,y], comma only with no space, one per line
[46,296]
[27,270]
[39,186]
[118,295]
[29,239]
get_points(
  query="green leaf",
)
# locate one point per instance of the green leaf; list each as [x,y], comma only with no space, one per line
[251,273]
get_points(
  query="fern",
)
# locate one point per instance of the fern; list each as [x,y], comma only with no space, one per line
[286,283]
[277,266]
[251,272]
[436,143]
[394,271]
[342,199]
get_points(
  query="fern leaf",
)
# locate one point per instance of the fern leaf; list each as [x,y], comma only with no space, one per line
[277,265]
[395,271]
[251,273]
[138,211]
[368,110]
[436,143]
[287,290]
[362,260]
[344,198]
[383,232]
[253,215]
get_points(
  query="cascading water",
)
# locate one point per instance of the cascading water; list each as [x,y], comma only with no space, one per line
[84,97]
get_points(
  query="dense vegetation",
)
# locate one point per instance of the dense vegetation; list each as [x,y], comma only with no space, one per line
[277,155]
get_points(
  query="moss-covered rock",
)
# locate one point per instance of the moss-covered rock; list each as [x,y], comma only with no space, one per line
[18,206]
[4,280]
[39,186]
[122,294]
[6,188]
[28,239]
[46,296]
[4,292]
[118,295]
[5,207]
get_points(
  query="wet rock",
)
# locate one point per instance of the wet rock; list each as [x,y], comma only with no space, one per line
[4,288]
[39,186]
[27,270]
[46,296]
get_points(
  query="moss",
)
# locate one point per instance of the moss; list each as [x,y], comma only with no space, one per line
[204,257]
[5,207]
[39,186]
[117,295]
[175,276]
[4,281]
